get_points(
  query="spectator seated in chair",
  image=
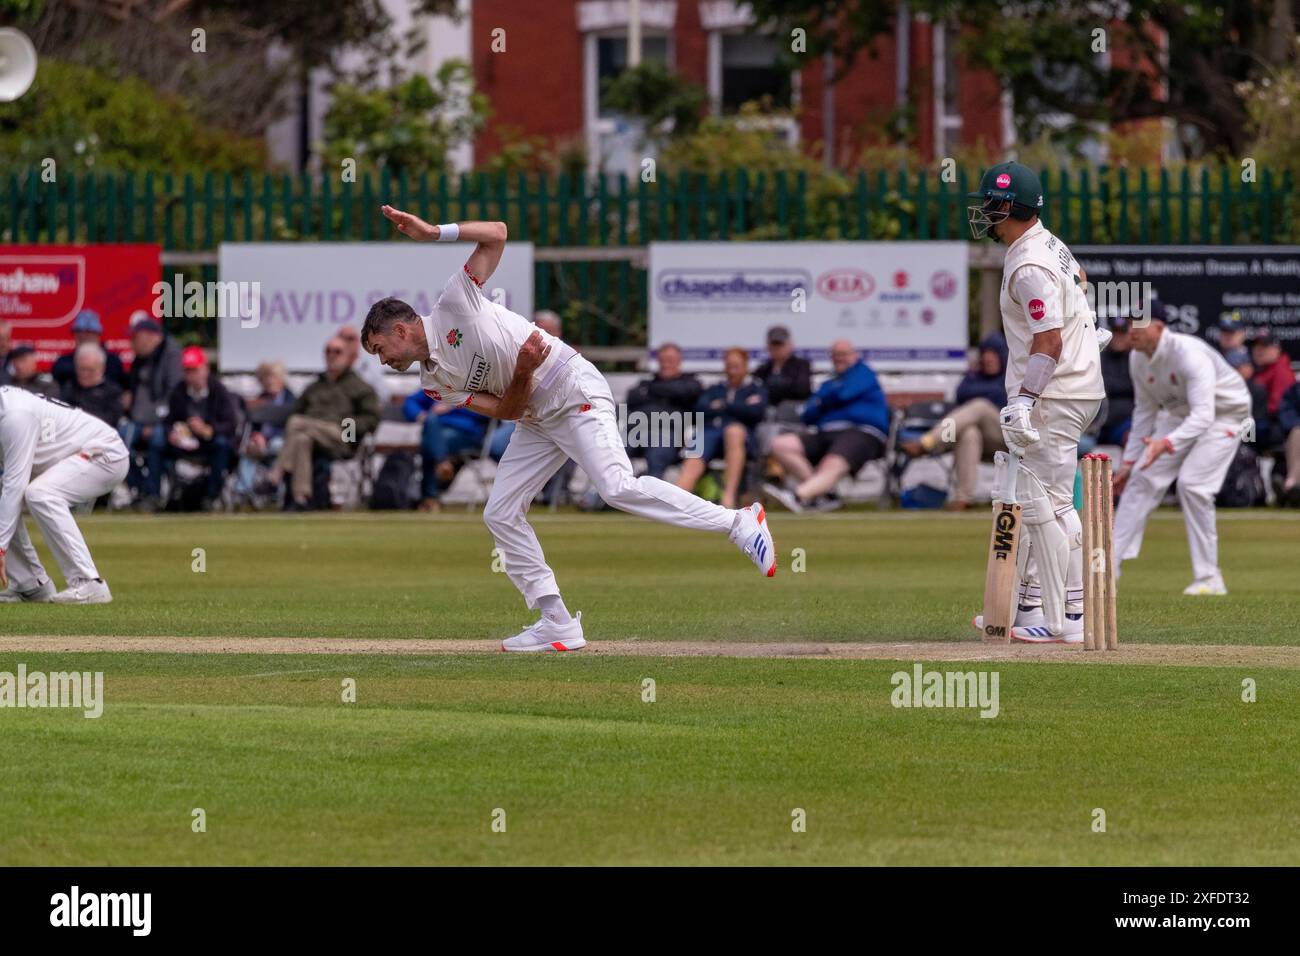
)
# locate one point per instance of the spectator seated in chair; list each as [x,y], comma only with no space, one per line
[155,372]
[90,389]
[87,330]
[202,422]
[446,432]
[268,411]
[670,391]
[24,374]
[731,409]
[848,426]
[1118,383]
[786,376]
[329,419]
[971,428]
[1273,372]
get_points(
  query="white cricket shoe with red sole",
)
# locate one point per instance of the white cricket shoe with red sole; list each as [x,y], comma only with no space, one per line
[749,532]
[546,635]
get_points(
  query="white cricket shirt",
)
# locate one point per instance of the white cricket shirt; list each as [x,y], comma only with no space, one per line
[474,344]
[37,432]
[1040,292]
[1190,380]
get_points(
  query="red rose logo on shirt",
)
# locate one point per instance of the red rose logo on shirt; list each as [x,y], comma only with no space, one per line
[1037,309]
[584,407]
[454,338]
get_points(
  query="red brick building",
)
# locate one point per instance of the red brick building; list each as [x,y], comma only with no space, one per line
[547,79]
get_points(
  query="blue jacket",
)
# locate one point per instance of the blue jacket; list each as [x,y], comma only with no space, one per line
[978,385]
[461,419]
[747,406]
[1288,410]
[854,397]
[993,387]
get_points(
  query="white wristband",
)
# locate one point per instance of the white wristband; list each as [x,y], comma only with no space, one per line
[448,232]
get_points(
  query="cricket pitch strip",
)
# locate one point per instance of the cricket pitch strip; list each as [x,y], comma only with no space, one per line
[1186,655]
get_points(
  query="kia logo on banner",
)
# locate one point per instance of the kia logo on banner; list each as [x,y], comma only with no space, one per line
[845,285]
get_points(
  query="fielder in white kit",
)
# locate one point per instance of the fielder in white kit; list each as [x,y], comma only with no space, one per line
[476,353]
[1191,409]
[54,456]
[1054,386]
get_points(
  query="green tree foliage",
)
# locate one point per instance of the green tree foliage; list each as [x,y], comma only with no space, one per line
[1183,60]
[90,121]
[658,95]
[412,125]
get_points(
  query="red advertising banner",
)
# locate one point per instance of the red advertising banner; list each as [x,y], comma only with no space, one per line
[42,288]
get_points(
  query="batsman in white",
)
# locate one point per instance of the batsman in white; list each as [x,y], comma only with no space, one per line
[1055,388]
[54,457]
[1190,412]
[477,353]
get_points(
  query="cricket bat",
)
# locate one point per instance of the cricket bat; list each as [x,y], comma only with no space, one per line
[1001,582]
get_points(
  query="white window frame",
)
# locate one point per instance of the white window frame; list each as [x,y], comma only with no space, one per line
[598,126]
[944,122]
[722,18]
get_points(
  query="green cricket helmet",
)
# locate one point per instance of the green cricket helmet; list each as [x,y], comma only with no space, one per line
[1012,183]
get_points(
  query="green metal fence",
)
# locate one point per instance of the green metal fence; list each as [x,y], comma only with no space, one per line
[191,213]
[605,300]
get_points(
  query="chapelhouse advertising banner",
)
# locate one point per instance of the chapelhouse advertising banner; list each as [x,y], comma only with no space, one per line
[302,293]
[42,288]
[1198,284]
[903,304]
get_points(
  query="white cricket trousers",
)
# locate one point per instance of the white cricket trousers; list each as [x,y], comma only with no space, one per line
[577,419]
[1053,561]
[1200,467]
[50,497]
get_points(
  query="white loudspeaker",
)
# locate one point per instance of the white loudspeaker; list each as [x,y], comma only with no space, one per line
[17,64]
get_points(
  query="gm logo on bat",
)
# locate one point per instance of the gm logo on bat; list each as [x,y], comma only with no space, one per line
[1004,529]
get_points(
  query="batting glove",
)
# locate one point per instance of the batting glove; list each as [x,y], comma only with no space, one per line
[1017,432]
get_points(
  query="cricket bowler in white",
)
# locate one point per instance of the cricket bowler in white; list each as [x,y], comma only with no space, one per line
[1190,412]
[476,353]
[1055,388]
[54,456]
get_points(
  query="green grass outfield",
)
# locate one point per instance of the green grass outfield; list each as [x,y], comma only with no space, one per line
[867,577]
[588,772]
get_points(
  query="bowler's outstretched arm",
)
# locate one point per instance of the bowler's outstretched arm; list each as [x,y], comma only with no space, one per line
[489,236]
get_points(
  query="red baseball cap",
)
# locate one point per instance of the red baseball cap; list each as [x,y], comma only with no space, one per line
[193,357]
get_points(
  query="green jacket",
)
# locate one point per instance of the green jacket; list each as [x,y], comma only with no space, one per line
[349,397]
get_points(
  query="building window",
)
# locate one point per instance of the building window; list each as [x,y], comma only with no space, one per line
[611,60]
[616,143]
[750,72]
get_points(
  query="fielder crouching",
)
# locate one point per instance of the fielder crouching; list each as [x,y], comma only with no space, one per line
[1190,412]
[54,456]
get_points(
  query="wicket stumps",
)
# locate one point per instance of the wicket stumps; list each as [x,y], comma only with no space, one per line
[1099,633]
